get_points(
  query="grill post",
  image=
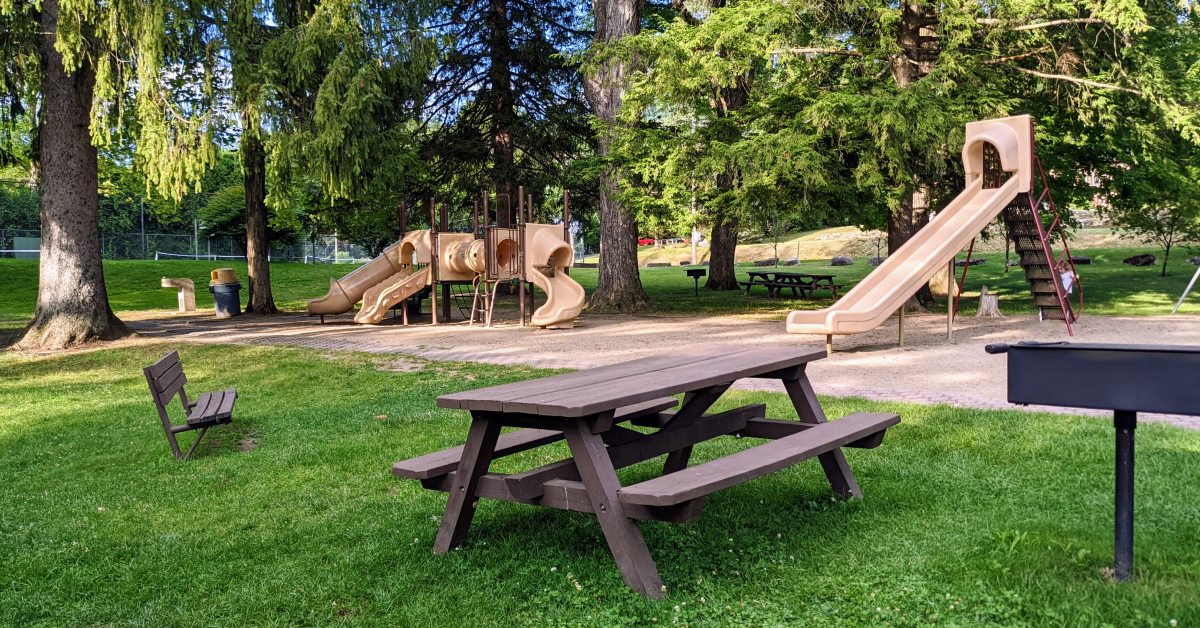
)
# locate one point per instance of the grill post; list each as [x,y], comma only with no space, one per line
[1125,423]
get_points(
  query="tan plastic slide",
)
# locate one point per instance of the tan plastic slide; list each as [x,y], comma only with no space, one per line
[345,292]
[903,273]
[547,257]
[381,297]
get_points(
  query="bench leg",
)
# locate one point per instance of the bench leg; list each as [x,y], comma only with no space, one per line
[622,533]
[195,444]
[837,470]
[460,506]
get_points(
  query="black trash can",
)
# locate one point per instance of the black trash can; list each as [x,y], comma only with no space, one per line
[227,292]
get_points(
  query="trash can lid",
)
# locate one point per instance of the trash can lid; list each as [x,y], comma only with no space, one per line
[223,275]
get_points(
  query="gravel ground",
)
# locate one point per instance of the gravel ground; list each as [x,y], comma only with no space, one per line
[928,369]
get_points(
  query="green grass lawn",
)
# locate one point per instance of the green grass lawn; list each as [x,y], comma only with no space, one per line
[1110,287]
[970,517]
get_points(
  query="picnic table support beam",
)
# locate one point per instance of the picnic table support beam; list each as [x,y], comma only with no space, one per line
[837,470]
[622,533]
[460,506]
[1125,423]
[695,404]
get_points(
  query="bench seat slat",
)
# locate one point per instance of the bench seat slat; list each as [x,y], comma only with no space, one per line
[215,407]
[748,464]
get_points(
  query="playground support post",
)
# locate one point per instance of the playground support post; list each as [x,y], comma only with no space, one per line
[949,300]
[900,327]
[1186,290]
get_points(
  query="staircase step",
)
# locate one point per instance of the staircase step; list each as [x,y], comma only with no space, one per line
[1052,314]
[1042,300]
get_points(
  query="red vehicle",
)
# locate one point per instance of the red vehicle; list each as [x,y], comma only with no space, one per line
[645,241]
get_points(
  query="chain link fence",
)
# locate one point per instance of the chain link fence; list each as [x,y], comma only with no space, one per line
[323,249]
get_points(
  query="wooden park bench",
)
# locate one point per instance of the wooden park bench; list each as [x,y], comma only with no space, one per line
[166,378]
[586,408]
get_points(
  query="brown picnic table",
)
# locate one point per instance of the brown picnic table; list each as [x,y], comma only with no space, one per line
[801,284]
[588,407]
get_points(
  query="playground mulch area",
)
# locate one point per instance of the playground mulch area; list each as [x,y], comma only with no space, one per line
[929,369]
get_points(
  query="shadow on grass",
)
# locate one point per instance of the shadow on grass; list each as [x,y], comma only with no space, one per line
[11,332]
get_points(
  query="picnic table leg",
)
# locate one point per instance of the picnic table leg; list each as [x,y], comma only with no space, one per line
[695,404]
[622,533]
[460,506]
[837,470]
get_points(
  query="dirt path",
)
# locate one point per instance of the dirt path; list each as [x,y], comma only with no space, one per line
[929,369]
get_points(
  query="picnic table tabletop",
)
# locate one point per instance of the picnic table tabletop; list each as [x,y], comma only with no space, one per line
[610,387]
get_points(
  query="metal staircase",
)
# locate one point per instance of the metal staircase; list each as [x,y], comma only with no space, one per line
[1033,223]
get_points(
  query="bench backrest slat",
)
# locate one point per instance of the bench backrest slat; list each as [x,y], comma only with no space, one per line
[166,378]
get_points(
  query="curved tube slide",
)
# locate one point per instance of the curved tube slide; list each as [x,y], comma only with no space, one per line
[548,256]
[903,273]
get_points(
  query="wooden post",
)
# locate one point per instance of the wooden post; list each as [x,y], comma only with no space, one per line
[950,300]
[433,259]
[901,326]
[828,342]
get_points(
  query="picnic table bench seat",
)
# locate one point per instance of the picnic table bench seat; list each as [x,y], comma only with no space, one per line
[755,462]
[440,463]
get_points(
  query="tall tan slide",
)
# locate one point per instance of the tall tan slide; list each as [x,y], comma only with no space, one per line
[345,292]
[547,257]
[903,273]
[381,297]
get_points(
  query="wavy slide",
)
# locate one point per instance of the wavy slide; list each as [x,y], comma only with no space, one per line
[903,273]
[345,292]
[395,289]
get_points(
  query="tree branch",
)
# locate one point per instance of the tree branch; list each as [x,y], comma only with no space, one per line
[1077,80]
[1023,55]
[986,21]
[845,52]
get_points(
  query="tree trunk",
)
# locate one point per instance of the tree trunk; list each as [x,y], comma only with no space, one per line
[1166,256]
[503,115]
[919,50]
[722,247]
[619,286]
[72,304]
[258,266]
[909,218]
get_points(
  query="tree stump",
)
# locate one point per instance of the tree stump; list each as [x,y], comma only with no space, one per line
[989,305]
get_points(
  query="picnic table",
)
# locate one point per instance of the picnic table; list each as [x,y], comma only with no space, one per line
[801,284]
[587,408]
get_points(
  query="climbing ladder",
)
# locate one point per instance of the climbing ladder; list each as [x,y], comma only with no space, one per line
[1033,222]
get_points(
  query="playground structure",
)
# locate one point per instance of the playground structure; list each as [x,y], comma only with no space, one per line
[992,149]
[431,261]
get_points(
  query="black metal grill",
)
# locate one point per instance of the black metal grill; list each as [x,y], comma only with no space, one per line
[1126,379]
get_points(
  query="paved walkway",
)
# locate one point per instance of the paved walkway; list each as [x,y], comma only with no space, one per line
[929,369]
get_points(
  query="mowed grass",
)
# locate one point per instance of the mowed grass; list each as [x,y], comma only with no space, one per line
[1110,287]
[970,517]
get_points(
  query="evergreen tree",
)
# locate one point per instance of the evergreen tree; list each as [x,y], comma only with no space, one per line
[867,103]
[505,105]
